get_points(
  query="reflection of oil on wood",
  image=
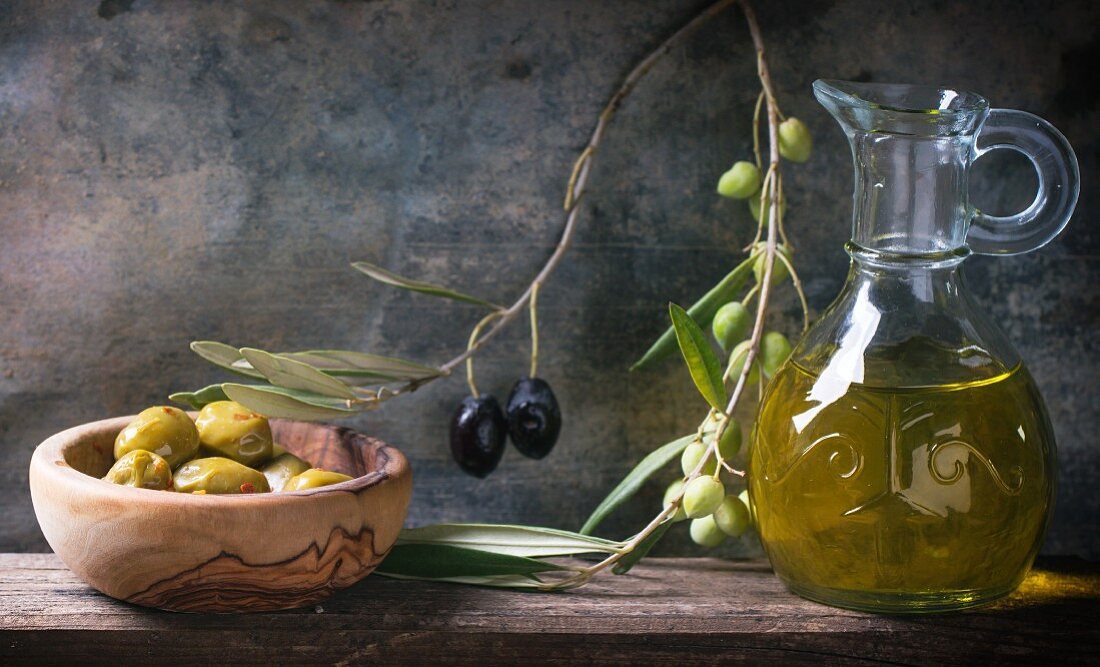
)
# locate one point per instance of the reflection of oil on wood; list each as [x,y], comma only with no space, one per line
[221,553]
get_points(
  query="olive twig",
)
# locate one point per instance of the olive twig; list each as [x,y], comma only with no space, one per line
[575,189]
[578,180]
[772,186]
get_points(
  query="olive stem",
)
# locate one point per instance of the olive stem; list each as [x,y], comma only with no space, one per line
[797,288]
[470,360]
[534,329]
[764,186]
[749,296]
[756,129]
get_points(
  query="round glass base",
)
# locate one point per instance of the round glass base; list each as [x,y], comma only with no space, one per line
[894,602]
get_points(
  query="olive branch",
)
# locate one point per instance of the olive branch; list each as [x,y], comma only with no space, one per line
[333,384]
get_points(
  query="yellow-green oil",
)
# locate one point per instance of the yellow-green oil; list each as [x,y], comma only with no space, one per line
[902,499]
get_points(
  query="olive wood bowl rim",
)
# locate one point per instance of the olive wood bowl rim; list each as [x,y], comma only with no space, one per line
[49,457]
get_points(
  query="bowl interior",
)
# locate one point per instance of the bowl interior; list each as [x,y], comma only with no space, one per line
[329,447]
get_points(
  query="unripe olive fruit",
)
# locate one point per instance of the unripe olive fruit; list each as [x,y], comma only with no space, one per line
[671,492]
[744,497]
[795,141]
[779,267]
[732,517]
[730,324]
[281,468]
[741,181]
[166,431]
[730,442]
[314,478]
[774,350]
[141,469]
[754,207]
[737,363]
[706,533]
[227,428]
[694,453]
[702,496]
[217,474]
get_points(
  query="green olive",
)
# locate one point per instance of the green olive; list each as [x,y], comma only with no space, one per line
[671,492]
[730,442]
[732,517]
[741,181]
[277,450]
[730,324]
[774,350]
[702,496]
[141,469]
[229,429]
[694,453]
[754,207]
[737,363]
[163,430]
[795,141]
[744,498]
[280,469]
[219,475]
[313,478]
[779,268]
[705,532]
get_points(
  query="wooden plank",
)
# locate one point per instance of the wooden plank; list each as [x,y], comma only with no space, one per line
[667,610]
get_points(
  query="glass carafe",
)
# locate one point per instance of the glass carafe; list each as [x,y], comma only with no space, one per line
[902,459]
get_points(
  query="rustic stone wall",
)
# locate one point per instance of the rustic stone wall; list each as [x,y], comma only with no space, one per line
[173,171]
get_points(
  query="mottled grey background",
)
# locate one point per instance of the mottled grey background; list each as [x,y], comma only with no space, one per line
[172,171]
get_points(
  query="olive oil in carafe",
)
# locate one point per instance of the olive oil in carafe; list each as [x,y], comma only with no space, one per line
[903,498]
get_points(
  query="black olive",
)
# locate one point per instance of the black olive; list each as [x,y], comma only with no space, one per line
[534,418]
[478,431]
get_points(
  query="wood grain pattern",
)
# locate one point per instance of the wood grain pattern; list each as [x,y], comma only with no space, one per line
[221,553]
[666,611]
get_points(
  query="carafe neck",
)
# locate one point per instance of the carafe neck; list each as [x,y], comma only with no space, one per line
[912,148]
[910,192]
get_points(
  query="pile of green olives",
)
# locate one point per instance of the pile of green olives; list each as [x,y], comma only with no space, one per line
[479,427]
[227,449]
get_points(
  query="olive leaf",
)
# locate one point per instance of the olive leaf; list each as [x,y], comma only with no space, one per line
[360,365]
[436,561]
[495,581]
[633,481]
[292,374]
[702,363]
[197,399]
[528,541]
[642,550]
[702,311]
[288,403]
[226,356]
[390,278]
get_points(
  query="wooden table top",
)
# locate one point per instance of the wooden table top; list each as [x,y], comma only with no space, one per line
[666,611]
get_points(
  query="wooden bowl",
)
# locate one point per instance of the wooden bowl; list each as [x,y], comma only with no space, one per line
[221,553]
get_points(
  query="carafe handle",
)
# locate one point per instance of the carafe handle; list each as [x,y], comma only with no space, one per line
[1056,166]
